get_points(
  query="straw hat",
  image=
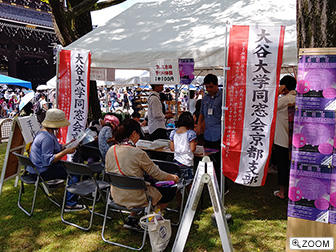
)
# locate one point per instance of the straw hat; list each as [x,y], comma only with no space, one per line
[55,118]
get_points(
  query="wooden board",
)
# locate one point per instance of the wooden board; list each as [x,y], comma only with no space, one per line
[306,228]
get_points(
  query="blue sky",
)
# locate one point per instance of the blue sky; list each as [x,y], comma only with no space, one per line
[102,16]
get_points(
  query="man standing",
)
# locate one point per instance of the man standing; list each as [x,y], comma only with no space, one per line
[112,98]
[211,112]
[156,117]
[281,142]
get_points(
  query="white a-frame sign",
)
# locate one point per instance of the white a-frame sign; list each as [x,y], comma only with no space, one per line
[205,174]
[23,132]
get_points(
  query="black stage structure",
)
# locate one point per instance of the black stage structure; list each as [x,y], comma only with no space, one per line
[27,37]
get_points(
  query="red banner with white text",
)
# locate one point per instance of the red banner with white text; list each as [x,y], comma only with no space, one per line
[73,91]
[254,61]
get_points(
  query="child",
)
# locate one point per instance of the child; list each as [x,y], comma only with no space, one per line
[183,144]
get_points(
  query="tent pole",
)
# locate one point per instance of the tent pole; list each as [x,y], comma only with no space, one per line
[58,49]
[223,111]
[176,102]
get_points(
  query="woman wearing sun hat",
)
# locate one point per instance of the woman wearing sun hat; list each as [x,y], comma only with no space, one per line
[46,151]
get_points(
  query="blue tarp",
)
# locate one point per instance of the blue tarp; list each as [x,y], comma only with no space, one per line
[13,81]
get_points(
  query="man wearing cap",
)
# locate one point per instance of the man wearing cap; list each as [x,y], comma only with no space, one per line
[156,118]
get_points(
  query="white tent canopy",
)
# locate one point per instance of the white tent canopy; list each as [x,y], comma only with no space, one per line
[183,29]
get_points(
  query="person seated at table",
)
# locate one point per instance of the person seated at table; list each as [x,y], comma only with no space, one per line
[124,158]
[46,152]
[136,117]
[105,139]
[96,125]
[184,145]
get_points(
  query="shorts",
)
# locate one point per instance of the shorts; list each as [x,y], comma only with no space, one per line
[187,173]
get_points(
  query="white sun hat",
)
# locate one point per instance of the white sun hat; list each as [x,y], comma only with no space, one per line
[55,118]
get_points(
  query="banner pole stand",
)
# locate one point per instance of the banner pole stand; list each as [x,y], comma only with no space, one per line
[205,174]
[222,178]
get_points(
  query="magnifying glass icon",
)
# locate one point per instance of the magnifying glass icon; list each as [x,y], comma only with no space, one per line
[295,242]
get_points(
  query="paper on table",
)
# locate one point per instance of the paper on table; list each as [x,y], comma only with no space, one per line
[150,145]
[84,136]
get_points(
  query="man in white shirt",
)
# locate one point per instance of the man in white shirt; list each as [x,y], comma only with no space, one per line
[281,142]
[156,118]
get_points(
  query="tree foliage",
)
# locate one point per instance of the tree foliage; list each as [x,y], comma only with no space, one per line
[316,23]
[72,19]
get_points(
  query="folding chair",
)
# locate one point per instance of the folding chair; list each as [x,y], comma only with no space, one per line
[33,179]
[129,183]
[87,152]
[87,189]
[173,168]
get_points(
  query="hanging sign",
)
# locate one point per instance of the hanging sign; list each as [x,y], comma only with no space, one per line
[73,91]
[164,71]
[186,70]
[254,59]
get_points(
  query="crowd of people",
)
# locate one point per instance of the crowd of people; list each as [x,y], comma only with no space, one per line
[10,99]
[116,139]
[129,99]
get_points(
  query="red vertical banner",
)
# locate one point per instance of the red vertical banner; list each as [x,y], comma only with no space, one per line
[64,90]
[73,91]
[254,61]
[235,100]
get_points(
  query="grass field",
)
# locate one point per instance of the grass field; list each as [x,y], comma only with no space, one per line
[259,223]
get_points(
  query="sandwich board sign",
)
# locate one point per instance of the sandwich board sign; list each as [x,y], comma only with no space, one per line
[23,132]
[205,175]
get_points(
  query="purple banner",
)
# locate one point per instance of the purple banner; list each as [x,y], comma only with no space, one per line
[309,192]
[332,215]
[186,69]
[312,184]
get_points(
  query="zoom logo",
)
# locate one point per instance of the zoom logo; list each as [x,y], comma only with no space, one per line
[311,243]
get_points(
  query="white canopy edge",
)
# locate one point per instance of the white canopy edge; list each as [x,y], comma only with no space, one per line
[183,29]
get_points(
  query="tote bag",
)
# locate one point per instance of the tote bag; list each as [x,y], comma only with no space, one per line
[159,231]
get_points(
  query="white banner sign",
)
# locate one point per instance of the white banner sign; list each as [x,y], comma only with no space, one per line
[29,127]
[164,71]
[255,57]
[73,91]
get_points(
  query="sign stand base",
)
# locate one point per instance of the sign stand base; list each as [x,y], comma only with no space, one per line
[205,174]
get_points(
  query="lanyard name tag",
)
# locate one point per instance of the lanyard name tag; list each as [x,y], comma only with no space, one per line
[210,111]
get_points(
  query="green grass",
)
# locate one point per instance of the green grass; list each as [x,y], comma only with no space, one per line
[259,223]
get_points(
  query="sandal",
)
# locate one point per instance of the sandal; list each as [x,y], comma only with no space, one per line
[275,193]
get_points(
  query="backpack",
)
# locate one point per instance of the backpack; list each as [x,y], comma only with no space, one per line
[40,113]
